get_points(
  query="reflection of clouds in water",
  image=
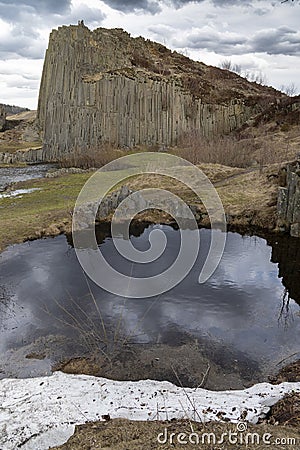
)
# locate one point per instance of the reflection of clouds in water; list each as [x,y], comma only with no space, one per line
[14,317]
[240,304]
[246,263]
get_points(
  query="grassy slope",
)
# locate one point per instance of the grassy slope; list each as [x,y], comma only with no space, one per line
[14,146]
[48,211]
[30,215]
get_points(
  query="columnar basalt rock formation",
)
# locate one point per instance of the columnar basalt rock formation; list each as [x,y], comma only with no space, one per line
[288,205]
[2,118]
[30,155]
[103,86]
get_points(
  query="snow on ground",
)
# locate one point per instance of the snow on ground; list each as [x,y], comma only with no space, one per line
[38,413]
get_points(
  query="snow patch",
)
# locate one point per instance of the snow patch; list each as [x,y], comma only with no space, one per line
[18,193]
[39,413]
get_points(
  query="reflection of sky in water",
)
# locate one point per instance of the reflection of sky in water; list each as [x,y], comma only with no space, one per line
[239,305]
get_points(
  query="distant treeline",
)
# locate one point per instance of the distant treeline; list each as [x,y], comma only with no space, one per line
[12,109]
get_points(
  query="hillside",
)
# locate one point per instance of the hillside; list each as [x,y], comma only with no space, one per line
[12,109]
[103,86]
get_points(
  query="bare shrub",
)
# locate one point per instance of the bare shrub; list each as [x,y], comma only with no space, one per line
[85,158]
[225,150]
[253,76]
[227,64]
[289,89]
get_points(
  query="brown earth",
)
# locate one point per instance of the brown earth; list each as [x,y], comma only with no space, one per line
[286,411]
[291,372]
[120,434]
[207,364]
[21,133]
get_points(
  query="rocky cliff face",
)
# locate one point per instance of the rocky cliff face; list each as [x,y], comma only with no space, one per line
[103,86]
[2,118]
[288,206]
[30,155]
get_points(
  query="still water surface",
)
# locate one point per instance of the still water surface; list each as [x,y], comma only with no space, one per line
[246,305]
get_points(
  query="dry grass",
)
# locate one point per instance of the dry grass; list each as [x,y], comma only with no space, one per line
[14,146]
[227,150]
[120,434]
[287,411]
[90,157]
[248,197]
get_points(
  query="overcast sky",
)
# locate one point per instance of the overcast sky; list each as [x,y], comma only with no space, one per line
[261,35]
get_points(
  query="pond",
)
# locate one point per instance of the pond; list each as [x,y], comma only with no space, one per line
[246,316]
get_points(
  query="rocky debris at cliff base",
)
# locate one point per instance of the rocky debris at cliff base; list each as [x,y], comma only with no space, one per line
[38,413]
[65,171]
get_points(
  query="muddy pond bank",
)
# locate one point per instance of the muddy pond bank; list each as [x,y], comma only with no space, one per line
[230,333]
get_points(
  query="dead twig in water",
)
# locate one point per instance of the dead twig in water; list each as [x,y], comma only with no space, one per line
[288,357]
[97,308]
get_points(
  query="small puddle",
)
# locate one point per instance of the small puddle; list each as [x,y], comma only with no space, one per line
[244,320]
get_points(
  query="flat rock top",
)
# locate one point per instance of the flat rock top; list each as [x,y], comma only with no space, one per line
[25,115]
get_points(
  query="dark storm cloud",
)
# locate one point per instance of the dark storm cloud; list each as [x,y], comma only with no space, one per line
[154,6]
[39,6]
[283,40]
[221,3]
[212,40]
[280,41]
[180,3]
[150,6]
[28,16]
[20,45]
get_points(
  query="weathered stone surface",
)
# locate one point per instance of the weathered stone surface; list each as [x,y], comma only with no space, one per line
[288,204]
[32,155]
[295,230]
[63,171]
[2,118]
[103,86]
[137,202]
[282,204]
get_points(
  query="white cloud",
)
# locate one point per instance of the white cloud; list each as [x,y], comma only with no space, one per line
[258,34]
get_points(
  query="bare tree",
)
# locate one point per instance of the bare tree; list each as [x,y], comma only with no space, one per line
[254,76]
[289,89]
[227,64]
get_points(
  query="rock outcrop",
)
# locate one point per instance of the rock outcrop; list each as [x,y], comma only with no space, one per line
[139,201]
[286,253]
[103,86]
[288,205]
[30,155]
[2,118]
